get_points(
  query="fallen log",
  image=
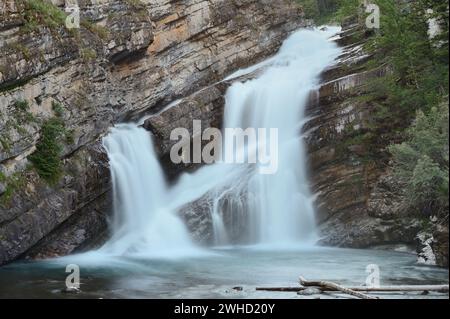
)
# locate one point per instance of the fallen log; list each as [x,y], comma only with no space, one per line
[402,288]
[331,285]
[414,288]
[436,288]
[281,289]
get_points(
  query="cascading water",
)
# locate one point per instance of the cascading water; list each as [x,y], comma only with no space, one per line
[246,206]
[282,204]
[142,224]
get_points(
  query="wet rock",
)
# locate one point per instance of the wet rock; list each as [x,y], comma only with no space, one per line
[71,290]
[440,244]
[425,252]
[232,209]
[310,291]
[197,217]
[432,244]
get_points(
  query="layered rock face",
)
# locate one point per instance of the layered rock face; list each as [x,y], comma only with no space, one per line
[359,203]
[128,58]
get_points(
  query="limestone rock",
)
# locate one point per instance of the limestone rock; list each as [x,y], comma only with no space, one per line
[359,202]
[424,251]
[310,291]
[128,59]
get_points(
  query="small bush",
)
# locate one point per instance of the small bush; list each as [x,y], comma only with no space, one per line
[422,162]
[13,183]
[20,48]
[5,143]
[21,105]
[22,113]
[96,29]
[47,157]
[70,137]
[40,12]
[58,109]
[88,54]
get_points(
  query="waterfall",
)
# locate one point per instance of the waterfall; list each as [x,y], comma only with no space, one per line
[246,206]
[281,206]
[142,223]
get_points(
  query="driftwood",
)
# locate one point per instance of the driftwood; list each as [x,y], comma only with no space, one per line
[436,288]
[414,288]
[328,285]
[281,289]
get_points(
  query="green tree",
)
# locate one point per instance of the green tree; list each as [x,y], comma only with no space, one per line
[47,157]
[422,162]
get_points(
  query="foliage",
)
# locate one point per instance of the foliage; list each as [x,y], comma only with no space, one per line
[58,109]
[18,47]
[22,113]
[47,157]
[329,11]
[5,143]
[415,88]
[101,31]
[346,8]
[40,12]
[422,162]
[88,54]
[21,105]
[13,183]
[420,72]
[134,3]
[310,8]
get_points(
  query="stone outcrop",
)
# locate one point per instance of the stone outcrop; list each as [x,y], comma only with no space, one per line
[359,202]
[129,58]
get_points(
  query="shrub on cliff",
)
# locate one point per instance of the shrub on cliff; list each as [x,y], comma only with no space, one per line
[47,157]
[38,13]
[417,86]
[422,162]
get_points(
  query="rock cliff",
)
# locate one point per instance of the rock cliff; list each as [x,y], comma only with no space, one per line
[128,58]
[359,203]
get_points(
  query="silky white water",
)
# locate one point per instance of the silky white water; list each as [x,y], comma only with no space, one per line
[246,207]
[141,224]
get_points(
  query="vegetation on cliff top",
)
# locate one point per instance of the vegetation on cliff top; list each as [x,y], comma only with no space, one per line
[417,91]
